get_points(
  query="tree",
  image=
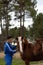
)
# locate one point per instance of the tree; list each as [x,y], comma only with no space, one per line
[25,7]
[5,9]
[16,32]
[37,29]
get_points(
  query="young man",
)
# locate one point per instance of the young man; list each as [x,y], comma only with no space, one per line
[9,50]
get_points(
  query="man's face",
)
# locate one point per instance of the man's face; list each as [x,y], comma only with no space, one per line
[10,40]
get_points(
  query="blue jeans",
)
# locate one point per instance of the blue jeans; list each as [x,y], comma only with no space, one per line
[8,60]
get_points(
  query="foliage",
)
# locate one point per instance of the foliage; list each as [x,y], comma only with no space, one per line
[25,7]
[4,12]
[16,31]
[37,29]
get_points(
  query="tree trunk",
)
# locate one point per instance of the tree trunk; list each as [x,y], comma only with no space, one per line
[20,22]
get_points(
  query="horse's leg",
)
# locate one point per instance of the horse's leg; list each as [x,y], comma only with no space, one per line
[26,62]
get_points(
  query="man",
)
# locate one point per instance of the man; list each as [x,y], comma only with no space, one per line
[9,50]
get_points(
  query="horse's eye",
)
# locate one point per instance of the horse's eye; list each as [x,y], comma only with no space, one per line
[17,39]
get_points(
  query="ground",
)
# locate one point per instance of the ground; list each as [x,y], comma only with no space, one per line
[17,55]
[17,60]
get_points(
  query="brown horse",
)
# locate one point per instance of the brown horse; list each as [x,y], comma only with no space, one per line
[29,52]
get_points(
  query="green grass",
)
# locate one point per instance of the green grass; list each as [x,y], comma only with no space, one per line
[14,62]
[18,62]
[2,62]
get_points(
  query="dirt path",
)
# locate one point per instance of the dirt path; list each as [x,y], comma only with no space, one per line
[16,55]
[1,54]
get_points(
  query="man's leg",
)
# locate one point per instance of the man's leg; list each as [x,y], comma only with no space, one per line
[9,63]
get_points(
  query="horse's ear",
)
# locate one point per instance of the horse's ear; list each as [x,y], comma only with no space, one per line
[22,38]
[16,38]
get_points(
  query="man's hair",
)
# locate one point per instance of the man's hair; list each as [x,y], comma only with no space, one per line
[8,37]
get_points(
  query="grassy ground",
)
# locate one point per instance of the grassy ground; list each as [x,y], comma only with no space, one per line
[17,60]
[14,62]
[2,62]
[20,62]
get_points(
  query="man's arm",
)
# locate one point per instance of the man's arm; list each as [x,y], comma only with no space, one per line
[9,49]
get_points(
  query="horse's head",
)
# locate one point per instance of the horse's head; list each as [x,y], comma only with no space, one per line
[19,43]
[22,43]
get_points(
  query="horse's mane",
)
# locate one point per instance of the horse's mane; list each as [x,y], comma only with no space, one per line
[27,43]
